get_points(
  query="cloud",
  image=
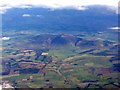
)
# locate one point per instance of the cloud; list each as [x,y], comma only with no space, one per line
[114,28]
[26,15]
[25,6]
[4,8]
[29,15]
[5,38]
[39,15]
[55,4]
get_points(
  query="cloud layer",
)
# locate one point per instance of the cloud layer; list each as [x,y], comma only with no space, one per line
[78,4]
[57,3]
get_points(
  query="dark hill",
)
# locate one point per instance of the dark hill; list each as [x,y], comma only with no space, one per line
[70,40]
[59,41]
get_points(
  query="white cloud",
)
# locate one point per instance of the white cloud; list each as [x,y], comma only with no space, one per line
[4,8]
[25,6]
[39,15]
[29,15]
[55,4]
[26,15]
[114,28]
[5,38]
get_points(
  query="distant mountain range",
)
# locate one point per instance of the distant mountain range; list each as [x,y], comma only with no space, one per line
[93,19]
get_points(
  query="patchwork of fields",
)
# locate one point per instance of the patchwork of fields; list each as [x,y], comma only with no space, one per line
[74,62]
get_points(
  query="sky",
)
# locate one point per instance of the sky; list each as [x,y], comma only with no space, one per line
[78,4]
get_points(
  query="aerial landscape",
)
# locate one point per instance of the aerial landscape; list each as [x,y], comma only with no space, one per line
[60,48]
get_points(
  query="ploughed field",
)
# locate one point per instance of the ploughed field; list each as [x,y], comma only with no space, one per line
[60,61]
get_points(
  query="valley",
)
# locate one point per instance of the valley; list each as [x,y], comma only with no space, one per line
[59,60]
